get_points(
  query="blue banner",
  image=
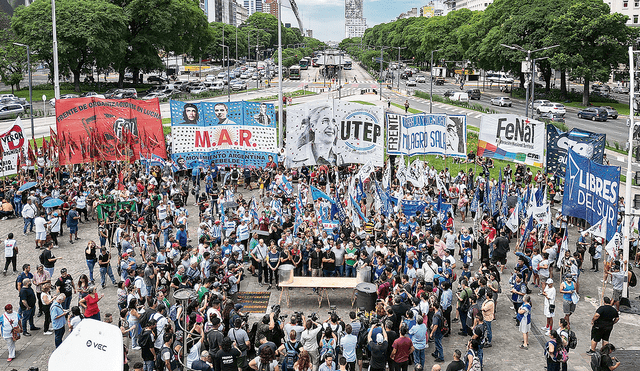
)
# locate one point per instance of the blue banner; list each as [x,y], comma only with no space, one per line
[385,199]
[410,207]
[239,134]
[591,191]
[585,143]
[316,194]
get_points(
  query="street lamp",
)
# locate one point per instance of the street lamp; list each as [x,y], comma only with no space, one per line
[228,75]
[533,80]
[280,118]
[528,51]
[30,86]
[431,84]
[398,69]
[56,72]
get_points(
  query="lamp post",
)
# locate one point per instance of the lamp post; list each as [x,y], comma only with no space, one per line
[280,118]
[528,51]
[627,195]
[382,48]
[533,80]
[30,86]
[56,72]
[398,69]
[228,76]
[431,83]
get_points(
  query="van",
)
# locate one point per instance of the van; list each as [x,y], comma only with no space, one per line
[216,85]
[209,78]
[499,77]
[460,96]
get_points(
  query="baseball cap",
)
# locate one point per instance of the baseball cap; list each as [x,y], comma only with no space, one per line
[379,339]
[125,255]
[238,306]
[549,280]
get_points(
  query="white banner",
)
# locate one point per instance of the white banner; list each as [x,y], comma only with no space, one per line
[13,144]
[427,134]
[541,214]
[512,138]
[334,133]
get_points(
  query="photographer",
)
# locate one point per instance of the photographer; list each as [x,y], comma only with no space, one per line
[295,324]
[241,341]
[309,339]
[607,362]
[378,350]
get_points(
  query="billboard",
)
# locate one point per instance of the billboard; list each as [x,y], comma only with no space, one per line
[334,133]
[227,134]
[584,143]
[591,191]
[93,129]
[512,138]
[427,134]
[14,143]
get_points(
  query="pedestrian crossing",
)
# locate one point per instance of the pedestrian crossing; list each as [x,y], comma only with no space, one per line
[439,107]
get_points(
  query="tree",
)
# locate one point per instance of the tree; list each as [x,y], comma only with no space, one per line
[89,32]
[13,59]
[593,41]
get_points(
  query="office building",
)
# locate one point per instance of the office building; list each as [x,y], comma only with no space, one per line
[253,6]
[354,22]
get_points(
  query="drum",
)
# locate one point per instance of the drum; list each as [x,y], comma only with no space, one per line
[363,274]
[367,296]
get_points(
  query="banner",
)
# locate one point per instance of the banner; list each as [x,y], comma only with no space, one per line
[334,133]
[541,214]
[14,144]
[512,138]
[585,143]
[591,191]
[427,134]
[226,134]
[92,129]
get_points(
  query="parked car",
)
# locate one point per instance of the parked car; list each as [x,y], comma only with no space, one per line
[411,82]
[501,101]
[245,75]
[128,93]
[621,90]
[536,103]
[128,76]
[10,110]
[552,107]
[449,93]
[222,74]
[593,113]
[157,94]
[404,76]
[612,113]
[92,94]
[198,89]
[421,79]
[460,96]
[238,85]
[551,117]
[214,85]
[600,87]
[158,79]
[52,101]
[474,94]
[439,81]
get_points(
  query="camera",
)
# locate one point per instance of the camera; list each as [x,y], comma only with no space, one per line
[298,317]
[314,316]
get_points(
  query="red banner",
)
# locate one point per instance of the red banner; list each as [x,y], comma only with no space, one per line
[91,129]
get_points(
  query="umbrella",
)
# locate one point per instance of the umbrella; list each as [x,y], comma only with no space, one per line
[53,202]
[27,185]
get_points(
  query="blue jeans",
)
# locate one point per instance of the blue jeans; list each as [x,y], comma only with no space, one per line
[103,241]
[327,273]
[59,334]
[103,272]
[165,237]
[480,355]
[351,271]
[305,270]
[18,208]
[148,366]
[28,223]
[90,264]
[418,357]
[67,302]
[50,270]
[489,333]
[437,339]
[340,270]
[27,317]
[463,320]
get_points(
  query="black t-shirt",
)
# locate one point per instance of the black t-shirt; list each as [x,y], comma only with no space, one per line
[214,338]
[47,254]
[91,255]
[146,343]
[608,314]
[456,366]
[316,259]
[502,246]
[329,265]
[378,355]
[65,285]
[103,259]
[392,336]
[27,294]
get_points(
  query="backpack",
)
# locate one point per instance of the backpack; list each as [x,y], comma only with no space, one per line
[42,259]
[572,341]
[466,303]
[596,360]
[443,326]
[145,317]
[291,356]
[475,363]
[633,281]
[264,367]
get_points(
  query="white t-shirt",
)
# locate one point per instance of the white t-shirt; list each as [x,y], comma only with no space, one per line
[6,324]
[40,224]
[8,247]
[81,202]
[56,223]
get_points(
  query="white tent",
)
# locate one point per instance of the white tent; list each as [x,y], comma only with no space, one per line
[93,345]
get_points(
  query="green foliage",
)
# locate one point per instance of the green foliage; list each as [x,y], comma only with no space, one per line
[13,59]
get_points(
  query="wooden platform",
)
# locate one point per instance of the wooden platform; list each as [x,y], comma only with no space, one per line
[320,283]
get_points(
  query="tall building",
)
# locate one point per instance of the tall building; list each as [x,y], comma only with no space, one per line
[630,8]
[253,6]
[472,4]
[354,22]
[271,7]
[241,15]
[220,10]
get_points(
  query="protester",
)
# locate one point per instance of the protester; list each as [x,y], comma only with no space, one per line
[602,323]
[11,327]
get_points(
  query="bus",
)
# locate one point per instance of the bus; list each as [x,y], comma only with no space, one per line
[314,62]
[304,63]
[347,64]
[294,73]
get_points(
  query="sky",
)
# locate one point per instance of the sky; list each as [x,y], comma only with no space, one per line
[326,17]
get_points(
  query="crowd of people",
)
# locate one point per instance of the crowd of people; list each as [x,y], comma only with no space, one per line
[430,272]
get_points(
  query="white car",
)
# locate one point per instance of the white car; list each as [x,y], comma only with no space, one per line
[92,94]
[536,103]
[238,85]
[221,75]
[244,75]
[557,108]
[201,88]
[157,94]
[501,101]
[420,78]
[411,82]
